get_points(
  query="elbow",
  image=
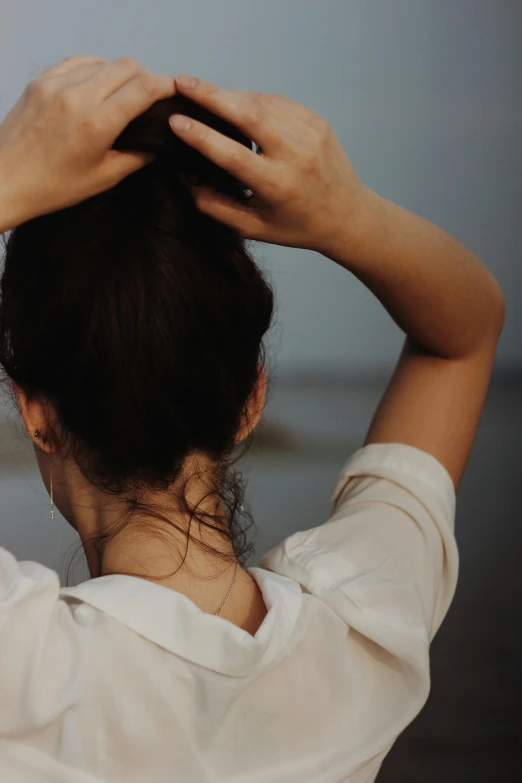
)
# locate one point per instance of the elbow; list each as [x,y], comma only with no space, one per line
[498,311]
[492,320]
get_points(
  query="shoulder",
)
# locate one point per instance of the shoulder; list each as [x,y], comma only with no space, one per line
[37,643]
[385,559]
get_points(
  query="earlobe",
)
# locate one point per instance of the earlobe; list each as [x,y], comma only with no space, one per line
[33,417]
[256,402]
[254,407]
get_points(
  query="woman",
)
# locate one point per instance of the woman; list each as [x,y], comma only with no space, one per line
[132,322]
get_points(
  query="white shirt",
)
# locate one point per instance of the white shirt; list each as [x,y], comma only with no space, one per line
[123,680]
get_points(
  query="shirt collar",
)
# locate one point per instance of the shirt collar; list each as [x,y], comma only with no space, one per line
[170,619]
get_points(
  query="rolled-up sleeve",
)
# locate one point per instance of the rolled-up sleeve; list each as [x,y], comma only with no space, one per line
[386,559]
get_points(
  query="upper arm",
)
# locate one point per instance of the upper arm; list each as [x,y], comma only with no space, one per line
[435,404]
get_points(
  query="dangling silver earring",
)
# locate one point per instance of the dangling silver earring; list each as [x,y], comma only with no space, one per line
[45,439]
[52,506]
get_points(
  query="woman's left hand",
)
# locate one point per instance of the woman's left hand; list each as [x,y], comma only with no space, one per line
[55,143]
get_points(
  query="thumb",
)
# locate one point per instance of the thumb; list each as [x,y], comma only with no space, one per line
[220,207]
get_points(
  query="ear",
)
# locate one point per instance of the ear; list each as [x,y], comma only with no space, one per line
[35,414]
[255,405]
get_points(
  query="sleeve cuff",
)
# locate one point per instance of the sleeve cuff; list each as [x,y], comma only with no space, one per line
[403,464]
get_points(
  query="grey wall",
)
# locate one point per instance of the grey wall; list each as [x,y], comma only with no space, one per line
[425,96]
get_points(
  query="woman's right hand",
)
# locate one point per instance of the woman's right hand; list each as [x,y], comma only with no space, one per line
[304,186]
[435,289]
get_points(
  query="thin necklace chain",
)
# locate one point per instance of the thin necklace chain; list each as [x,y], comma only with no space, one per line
[229,590]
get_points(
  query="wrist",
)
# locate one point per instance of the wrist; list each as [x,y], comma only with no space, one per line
[352,230]
[13,209]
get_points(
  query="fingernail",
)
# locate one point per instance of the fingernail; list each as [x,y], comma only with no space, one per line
[186,81]
[180,123]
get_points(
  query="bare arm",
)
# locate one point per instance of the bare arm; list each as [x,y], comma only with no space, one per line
[452,311]
[307,194]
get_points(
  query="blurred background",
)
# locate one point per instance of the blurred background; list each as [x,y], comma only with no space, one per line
[426,98]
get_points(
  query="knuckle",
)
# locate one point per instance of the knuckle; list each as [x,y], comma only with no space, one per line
[264,99]
[255,114]
[307,160]
[65,100]
[288,190]
[210,90]
[129,62]
[38,88]
[148,81]
[324,127]
[90,126]
[319,129]
[237,156]
[319,137]
[282,182]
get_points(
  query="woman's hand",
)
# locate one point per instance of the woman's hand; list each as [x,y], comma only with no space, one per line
[304,186]
[55,144]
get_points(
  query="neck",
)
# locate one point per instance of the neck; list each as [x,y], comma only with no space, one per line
[156,549]
[143,545]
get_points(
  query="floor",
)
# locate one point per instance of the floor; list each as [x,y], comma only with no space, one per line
[471,727]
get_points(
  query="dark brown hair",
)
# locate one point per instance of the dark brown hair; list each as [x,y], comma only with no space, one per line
[142,320]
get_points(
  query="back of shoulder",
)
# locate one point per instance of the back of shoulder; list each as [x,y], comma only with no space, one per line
[36,644]
[385,560]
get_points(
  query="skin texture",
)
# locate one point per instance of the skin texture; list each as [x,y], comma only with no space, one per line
[306,194]
[438,292]
[203,577]
[54,152]
[55,142]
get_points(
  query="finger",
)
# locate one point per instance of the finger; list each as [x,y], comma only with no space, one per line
[245,113]
[135,97]
[243,219]
[284,109]
[118,165]
[238,160]
[282,113]
[74,76]
[115,75]
[111,77]
[70,63]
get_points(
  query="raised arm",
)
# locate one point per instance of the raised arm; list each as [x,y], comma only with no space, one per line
[307,194]
[452,311]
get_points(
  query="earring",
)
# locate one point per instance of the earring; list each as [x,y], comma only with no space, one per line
[52,505]
[38,434]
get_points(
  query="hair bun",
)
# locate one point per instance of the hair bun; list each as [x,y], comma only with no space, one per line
[151,132]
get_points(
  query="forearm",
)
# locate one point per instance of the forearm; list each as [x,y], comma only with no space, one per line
[437,290]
